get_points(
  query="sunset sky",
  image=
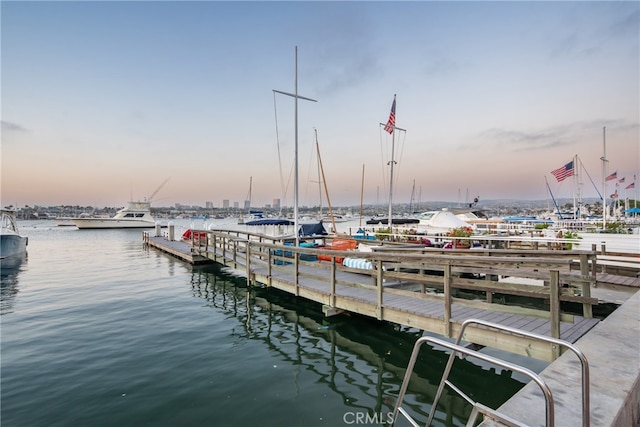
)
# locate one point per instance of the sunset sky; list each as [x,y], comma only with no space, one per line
[102,101]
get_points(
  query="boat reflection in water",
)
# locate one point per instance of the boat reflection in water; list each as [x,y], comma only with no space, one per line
[9,283]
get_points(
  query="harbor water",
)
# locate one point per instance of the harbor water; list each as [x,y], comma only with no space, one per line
[99,331]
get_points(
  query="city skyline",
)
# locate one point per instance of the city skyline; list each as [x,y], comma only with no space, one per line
[102,101]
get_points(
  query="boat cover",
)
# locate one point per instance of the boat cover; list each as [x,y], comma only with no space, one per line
[311,230]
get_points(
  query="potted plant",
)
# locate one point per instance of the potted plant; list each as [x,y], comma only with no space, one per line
[461,232]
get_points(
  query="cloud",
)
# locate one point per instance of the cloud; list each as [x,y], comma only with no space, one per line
[12,127]
[551,137]
[518,140]
[628,25]
[344,52]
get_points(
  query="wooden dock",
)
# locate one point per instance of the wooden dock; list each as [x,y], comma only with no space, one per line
[416,289]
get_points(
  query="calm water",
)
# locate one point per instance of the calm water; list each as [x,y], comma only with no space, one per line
[97,330]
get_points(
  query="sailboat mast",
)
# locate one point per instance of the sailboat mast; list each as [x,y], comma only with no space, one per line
[361,197]
[575,183]
[295,184]
[326,190]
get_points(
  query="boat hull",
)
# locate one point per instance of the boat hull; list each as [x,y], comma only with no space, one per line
[112,223]
[13,249]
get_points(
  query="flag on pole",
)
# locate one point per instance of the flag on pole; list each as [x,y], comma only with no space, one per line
[612,176]
[563,172]
[391,123]
[621,181]
[630,186]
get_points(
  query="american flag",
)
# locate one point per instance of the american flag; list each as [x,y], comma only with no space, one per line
[621,180]
[630,186]
[563,172]
[391,123]
[612,176]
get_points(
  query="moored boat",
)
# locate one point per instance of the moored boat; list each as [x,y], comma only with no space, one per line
[134,215]
[13,246]
[440,221]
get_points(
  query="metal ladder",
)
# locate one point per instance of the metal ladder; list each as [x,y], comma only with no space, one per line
[479,408]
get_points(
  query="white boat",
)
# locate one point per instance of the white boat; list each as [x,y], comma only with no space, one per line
[13,246]
[440,221]
[134,215]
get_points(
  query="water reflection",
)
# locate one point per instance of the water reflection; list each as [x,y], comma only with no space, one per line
[9,272]
[361,360]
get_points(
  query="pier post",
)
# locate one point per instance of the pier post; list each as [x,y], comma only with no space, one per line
[171,228]
[158,228]
[296,268]
[587,309]
[333,283]
[554,307]
[594,265]
[247,252]
[447,300]
[380,281]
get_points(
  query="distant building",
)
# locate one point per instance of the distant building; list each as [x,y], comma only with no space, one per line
[236,205]
[276,203]
[225,204]
[209,205]
[247,204]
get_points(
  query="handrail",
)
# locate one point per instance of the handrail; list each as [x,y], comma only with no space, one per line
[455,348]
[578,353]
[438,261]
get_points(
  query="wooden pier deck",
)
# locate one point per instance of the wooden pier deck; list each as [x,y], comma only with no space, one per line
[412,290]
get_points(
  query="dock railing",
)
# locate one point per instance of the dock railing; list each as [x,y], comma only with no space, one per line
[274,261]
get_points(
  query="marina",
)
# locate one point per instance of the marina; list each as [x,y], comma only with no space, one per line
[236,250]
[469,256]
[140,337]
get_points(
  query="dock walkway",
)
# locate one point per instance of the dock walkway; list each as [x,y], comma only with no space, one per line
[341,289]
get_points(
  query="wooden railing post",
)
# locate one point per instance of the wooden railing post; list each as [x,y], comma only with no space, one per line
[270,261]
[235,253]
[447,300]
[333,282]
[587,309]
[379,282]
[554,303]
[296,267]
[247,252]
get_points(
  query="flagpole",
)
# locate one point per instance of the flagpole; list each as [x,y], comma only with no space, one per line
[393,142]
[604,177]
[575,184]
[391,125]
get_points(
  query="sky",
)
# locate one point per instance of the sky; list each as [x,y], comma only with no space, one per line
[102,102]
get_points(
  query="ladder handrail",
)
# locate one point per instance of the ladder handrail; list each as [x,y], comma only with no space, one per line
[583,360]
[455,348]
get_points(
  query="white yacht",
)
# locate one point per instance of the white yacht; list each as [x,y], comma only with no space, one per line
[134,215]
[440,221]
